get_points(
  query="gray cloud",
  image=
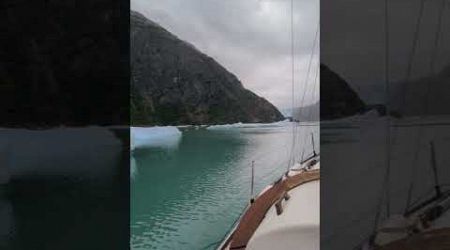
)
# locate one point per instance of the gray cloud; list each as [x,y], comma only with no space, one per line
[353,42]
[251,38]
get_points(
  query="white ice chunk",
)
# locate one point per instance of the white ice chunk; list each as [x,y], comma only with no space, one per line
[133,168]
[241,125]
[154,137]
[88,151]
[4,164]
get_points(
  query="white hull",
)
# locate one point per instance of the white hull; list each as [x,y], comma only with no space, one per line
[297,226]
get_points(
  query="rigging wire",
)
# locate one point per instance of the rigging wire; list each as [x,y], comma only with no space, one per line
[305,88]
[386,180]
[388,109]
[292,83]
[305,83]
[292,55]
[426,101]
[310,110]
[403,100]
[408,77]
[385,189]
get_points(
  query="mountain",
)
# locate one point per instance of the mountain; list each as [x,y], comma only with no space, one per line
[424,96]
[307,113]
[62,62]
[337,98]
[174,83]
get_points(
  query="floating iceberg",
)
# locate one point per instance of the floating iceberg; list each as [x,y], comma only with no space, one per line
[133,168]
[241,125]
[4,164]
[82,152]
[154,137]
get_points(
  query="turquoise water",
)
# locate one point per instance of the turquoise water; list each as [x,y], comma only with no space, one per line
[188,196]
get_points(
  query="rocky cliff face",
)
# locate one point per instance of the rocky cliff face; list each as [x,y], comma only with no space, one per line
[63,63]
[174,83]
[337,99]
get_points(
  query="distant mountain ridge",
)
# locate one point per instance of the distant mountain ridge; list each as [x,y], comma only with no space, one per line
[307,113]
[424,96]
[337,98]
[174,83]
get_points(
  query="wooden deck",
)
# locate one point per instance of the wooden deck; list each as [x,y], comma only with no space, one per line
[254,215]
[438,239]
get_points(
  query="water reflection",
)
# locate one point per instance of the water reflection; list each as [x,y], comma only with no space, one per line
[67,189]
[7,226]
[189,197]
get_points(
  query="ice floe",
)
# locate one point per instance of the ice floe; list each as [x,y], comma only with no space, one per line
[87,152]
[241,125]
[142,137]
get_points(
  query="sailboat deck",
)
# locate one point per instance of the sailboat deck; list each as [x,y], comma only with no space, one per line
[255,214]
[438,239]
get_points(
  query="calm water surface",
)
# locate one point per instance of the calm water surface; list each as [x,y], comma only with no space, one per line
[189,196]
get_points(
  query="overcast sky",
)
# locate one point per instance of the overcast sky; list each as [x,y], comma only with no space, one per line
[353,42]
[251,38]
